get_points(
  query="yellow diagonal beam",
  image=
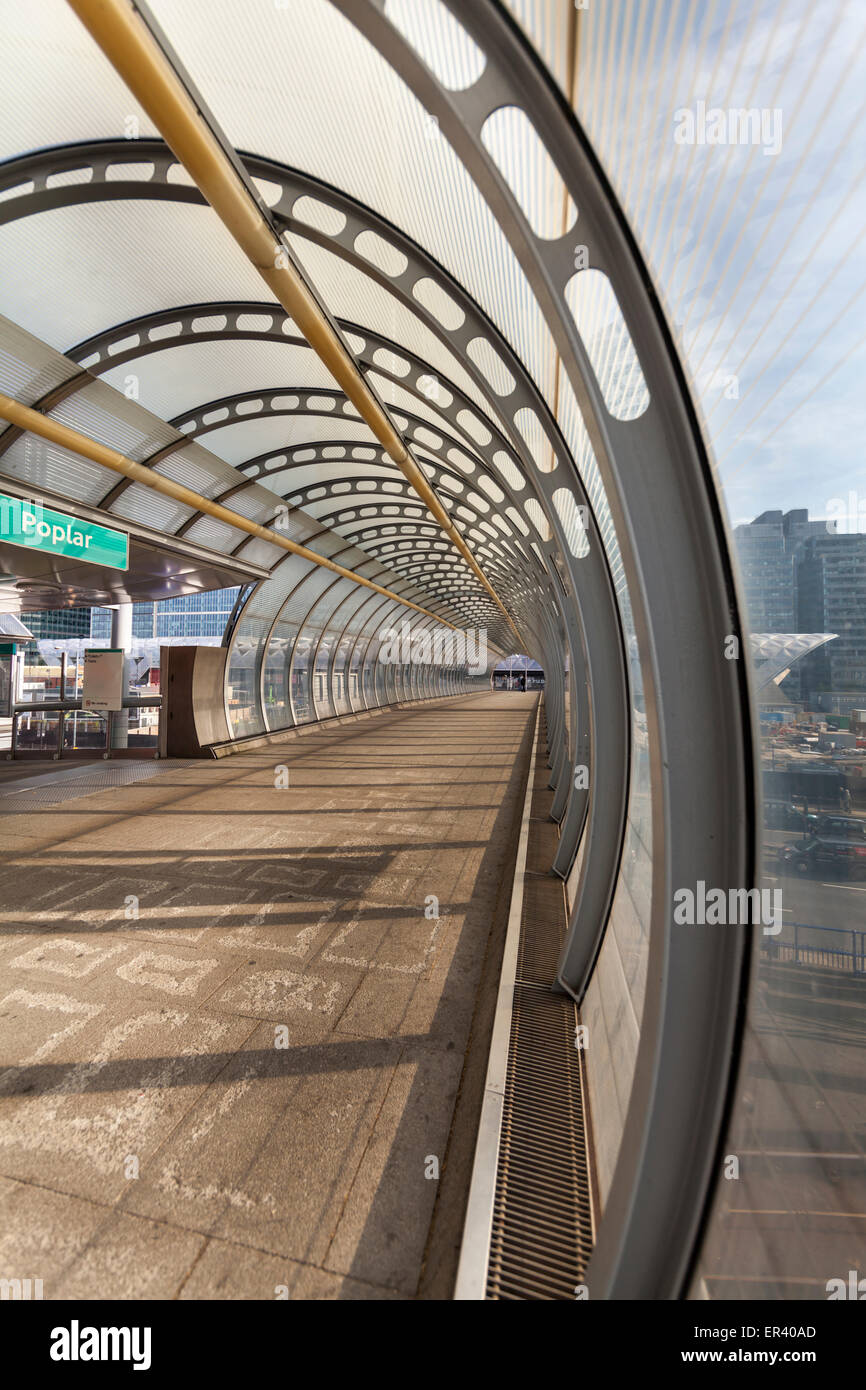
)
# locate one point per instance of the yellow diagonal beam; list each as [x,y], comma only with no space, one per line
[133,51]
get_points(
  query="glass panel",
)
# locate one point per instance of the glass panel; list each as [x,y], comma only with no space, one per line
[241,692]
[205,265]
[756,248]
[189,375]
[276,676]
[37,733]
[346,693]
[83,730]
[301,694]
[301,126]
[142,731]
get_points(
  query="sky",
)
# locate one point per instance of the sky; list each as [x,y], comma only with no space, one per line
[759,257]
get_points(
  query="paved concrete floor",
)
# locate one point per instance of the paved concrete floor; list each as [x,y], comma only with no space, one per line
[232,1026]
[25,769]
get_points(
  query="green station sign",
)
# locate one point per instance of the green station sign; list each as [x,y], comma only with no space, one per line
[38,527]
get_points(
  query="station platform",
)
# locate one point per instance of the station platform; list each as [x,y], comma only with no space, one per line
[240,997]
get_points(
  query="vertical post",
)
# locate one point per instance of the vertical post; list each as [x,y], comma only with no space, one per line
[121,636]
[17,677]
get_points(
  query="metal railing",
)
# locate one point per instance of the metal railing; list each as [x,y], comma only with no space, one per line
[62,728]
[848,955]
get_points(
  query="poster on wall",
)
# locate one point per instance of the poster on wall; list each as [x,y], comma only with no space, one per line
[103,679]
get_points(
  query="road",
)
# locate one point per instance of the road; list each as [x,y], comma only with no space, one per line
[820,903]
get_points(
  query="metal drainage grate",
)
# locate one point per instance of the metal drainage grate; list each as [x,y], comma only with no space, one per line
[542,929]
[542,1230]
[541,1238]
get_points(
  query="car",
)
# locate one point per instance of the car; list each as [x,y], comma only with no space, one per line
[841,827]
[838,858]
[783,815]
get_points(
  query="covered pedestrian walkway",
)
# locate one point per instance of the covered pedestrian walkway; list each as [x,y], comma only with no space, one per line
[422,327]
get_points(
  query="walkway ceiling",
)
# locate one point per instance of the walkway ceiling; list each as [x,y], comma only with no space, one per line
[370,275]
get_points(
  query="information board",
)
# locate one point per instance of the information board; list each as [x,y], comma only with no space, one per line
[103,679]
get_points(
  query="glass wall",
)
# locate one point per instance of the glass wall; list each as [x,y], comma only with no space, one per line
[754,238]
[613,1006]
[309,645]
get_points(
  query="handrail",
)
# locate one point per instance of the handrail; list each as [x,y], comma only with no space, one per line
[74,703]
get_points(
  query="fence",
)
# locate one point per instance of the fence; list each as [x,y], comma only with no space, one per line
[833,948]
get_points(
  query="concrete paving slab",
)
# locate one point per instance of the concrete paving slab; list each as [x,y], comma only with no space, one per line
[232,1020]
[383,1228]
[202,1168]
[297,1187]
[104,1086]
[130,1258]
[43,1231]
[228,1271]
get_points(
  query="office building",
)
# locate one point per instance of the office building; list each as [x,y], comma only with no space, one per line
[831,580]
